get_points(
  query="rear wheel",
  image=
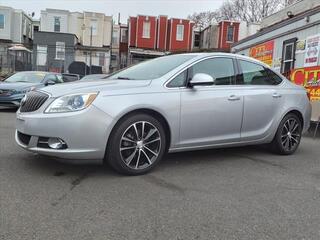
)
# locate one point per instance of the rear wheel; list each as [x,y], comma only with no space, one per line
[137,144]
[288,136]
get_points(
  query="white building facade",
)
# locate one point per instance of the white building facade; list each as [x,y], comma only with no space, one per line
[93,30]
[16,36]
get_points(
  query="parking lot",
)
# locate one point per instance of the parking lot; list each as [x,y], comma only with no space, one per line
[241,193]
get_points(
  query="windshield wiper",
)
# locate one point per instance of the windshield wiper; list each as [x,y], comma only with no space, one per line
[124,78]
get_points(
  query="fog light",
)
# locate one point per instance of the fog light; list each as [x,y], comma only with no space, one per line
[57,143]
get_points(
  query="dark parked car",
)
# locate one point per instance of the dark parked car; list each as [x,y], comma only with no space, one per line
[13,88]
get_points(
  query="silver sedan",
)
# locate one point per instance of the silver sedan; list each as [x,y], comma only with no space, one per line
[172,103]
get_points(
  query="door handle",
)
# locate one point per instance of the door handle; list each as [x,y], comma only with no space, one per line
[276,95]
[233,98]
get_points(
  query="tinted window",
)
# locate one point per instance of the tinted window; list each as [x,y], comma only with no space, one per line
[254,74]
[219,68]
[274,77]
[179,81]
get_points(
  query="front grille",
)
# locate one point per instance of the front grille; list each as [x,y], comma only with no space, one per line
[24,138]
[33,101]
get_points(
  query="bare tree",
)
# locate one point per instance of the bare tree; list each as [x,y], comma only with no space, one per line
[241,10]
[203,19]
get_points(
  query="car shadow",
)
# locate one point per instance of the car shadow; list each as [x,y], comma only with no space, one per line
[45,165]
[8,109]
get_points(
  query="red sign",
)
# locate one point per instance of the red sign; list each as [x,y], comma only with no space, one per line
[308,77]
[263,52]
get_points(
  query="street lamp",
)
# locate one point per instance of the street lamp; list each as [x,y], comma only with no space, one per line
[83,27]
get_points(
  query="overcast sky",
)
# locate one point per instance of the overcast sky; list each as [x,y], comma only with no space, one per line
[172,8]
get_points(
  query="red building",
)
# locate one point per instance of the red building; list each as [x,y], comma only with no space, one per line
[228,34]
[151,36]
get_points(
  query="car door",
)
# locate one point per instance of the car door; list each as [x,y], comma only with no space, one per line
[211,114]
[259,87]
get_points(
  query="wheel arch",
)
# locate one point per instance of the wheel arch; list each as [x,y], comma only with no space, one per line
[298,114]
[148,111]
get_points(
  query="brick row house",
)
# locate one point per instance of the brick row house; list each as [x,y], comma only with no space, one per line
[151,36]
[220,36]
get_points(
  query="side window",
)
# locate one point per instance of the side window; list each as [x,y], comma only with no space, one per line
[274,77]
[254,74]
[59,79]
[178,81]
[51,77]
[219,68]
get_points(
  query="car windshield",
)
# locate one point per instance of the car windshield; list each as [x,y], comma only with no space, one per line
[152,69]
[28,77]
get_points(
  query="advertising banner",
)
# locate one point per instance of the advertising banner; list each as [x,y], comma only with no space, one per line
[312,50]
[263,52]
[308,77]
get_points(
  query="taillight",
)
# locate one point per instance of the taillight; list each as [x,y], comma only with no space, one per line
[308,95]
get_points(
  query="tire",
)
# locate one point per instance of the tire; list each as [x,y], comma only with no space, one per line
[288,135]
[137,144]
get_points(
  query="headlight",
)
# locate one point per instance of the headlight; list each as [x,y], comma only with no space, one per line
[24,91]
[71,103]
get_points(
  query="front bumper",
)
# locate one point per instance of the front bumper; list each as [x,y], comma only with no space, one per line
[11,101]
[85,133]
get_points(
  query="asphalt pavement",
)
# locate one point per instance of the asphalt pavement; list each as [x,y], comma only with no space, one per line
[240,193]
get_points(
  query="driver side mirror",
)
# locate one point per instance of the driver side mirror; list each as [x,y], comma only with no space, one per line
[49,82]
[201,79]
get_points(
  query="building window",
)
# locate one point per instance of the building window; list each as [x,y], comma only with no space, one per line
[101,59]
[197,40]
[230,33]
[124,35]
[288,55]
[60,50]
[1,21]
[180,32]
[41,55]
[146,30]
[115,36]
[94,27]
[36,28]
[57,24]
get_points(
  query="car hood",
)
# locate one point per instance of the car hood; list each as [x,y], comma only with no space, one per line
[17,86]
[105,86]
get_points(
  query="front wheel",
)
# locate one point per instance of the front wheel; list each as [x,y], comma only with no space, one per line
[137,144]
[288,136]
